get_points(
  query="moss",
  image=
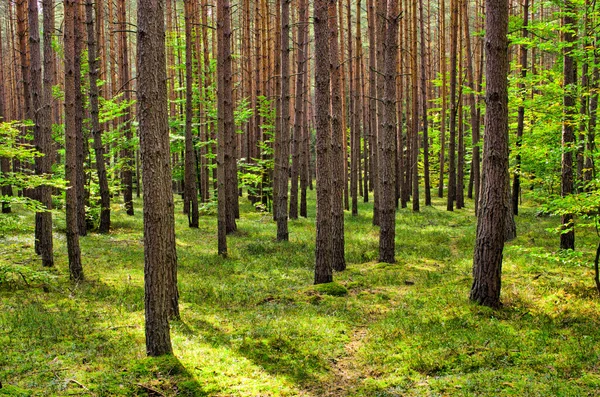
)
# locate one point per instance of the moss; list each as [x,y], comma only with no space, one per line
[332,289]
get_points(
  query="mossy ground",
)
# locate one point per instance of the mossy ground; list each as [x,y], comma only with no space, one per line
[253,325]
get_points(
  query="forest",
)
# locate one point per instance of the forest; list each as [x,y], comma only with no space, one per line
[299,198]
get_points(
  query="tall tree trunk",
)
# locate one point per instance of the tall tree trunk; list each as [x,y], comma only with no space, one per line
[299,104]
[338,172]
[567,237]
[453,105]
[387,209]
[226,92]
[282,163]
[5,190]
[324,241]
[354,126]
[373,126]
[74,252]
[516,187]
[476,157]
[489,243]
[415,110]
[42,132]
[125,87]
[160,257]
[104,226]
[442,160]
[191,193]
[424,104]
[81,138]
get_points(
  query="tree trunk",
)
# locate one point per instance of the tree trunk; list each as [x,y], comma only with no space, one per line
[191,192]
[5,190]
[323,245]
[567,237]
[104,226]
[442,16]
[74,252]
[415,110]
[475,162]
[337,141]
[81,138]
[42,136]
[125,87]
[489,243]
[160,257]
[299,105]
[282,163]
[424,104]
[387,208]
[453,105]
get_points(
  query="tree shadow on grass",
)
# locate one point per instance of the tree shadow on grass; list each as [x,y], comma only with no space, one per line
[273,352]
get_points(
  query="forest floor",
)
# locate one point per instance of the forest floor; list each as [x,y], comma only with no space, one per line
[254,325]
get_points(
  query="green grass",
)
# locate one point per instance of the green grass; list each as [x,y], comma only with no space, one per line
[253,324]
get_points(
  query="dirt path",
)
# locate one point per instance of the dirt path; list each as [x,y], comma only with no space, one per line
[346,373]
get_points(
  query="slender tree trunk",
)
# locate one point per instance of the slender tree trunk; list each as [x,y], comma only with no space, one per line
[104,226]
[338,172]
[81,138]
[125,87]
[442,16]
[282,163]
[324,241]
[475,162]
[299,104]
[489,243]
[424,104]
[191,193]
[415,110]
[387,213]
[567,238]
[5,190]
[305,177]
[42,132]
[74,253]
[373,126]
[453,105]
[354,126]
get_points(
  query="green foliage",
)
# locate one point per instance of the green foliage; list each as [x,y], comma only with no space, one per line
[252,173]
[15,146]
[252,324]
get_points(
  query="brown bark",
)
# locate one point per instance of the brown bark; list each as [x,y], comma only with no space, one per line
[74,253]
[324,241]
[104,226]
[443,71]
[475,162]
[160,257]
[489,243]
[40,100]
[297,140]
[5,190]
[282,162]
[424,104]
[415,110]
[125,87]
[453,105]
[336,156]
[567,237]
[191,193]
[81,140]
[387,159]
[373,126]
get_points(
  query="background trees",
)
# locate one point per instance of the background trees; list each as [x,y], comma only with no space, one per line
[241,122]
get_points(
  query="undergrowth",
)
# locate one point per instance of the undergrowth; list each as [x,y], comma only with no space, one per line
[253,325]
